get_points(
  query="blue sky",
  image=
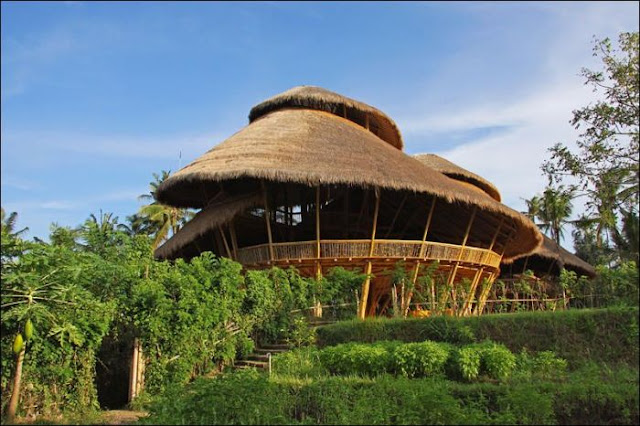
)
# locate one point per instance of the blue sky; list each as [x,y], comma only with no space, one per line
[98,96]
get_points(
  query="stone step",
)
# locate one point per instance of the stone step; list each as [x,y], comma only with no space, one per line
[257,357]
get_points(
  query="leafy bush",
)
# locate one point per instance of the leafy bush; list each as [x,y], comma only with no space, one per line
[543,365]
[353,358]
[419,359]
[578,335]
[590,396]
[464,363]
[301,362]
[496,361]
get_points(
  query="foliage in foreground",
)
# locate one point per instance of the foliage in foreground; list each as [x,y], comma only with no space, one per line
[476,362]
[591,395]
[607,335]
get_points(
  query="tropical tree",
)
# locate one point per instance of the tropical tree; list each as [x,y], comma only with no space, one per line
[8,223]
[552,209]
[167,220]
[605,164]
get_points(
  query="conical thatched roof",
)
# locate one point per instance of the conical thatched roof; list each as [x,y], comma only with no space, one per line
[206,220]
[317,98]
[551,251]
[454,171]
[314,147]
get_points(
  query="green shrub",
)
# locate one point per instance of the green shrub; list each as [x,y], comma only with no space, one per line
[591,395]
[419,359]
[578,335]
[354,358]
[464,363]
[301,362]
[496,361]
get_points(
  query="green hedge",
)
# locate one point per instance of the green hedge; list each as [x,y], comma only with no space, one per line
[423,359]
[604,335]
[249,397]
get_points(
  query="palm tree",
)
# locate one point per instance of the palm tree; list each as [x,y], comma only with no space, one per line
[167,220]
[8,223]
[138,225]
[552,209]
[628,241]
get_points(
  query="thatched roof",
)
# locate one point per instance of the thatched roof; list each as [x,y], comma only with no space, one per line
[551,251]
[317,98]
[206,220]
[318,148]
[454,171]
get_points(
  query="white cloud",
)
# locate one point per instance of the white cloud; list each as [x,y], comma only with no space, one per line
[535,121]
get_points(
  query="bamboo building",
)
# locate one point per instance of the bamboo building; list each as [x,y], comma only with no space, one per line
[318,180]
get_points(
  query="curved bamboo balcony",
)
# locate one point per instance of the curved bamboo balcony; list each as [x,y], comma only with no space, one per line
[361,249]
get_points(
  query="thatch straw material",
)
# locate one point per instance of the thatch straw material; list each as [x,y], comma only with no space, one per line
[551,251]
[317,98]
[317,148]
[454,171]
[206,220]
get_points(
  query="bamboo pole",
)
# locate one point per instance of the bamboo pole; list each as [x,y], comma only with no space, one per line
[483,297]
[234,239]
[133,377]
[426,227]
[395,216]
[226,244]
[454,270]
[318,222]
[414,278]
[367,281]
[268,220]
[476,279]
[318,308]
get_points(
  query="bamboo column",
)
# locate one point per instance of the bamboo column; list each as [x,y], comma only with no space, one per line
[422,249]
[234,239]
[226,244]
[454,271]
[268,220]
[476,279]
[367,281]
[318,307]
[485,293]
[133,377]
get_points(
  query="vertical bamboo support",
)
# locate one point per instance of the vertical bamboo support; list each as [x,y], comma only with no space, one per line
[485,293]
[139,370]
[483,297]
[395,216]
[367,281]
[133,377]
[454,270]
[318,222]
[226,244]
[234,239]
[267,216]
[426,227]
[318,307]
[476,279]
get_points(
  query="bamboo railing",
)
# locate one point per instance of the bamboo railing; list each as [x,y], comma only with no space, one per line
[398,249]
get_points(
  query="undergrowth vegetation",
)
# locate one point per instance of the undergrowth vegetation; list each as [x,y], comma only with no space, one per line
[587,396]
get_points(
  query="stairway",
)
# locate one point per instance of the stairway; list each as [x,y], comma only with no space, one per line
[259,358]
